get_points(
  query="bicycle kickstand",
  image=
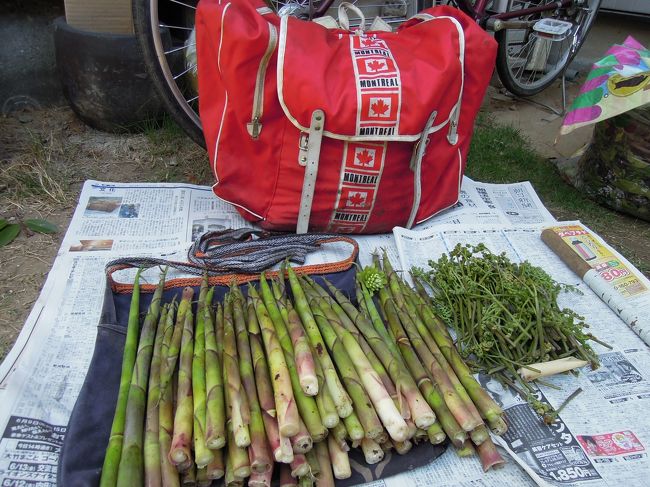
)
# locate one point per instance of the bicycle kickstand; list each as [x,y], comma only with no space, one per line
[554,111]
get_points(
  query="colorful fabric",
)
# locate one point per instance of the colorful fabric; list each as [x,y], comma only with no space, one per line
[616,84]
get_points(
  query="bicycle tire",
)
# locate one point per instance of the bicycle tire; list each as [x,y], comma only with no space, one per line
[507,63]
[152,38]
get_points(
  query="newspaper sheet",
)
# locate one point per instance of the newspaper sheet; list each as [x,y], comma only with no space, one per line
[600,435]
[484,203]
[42,375]
[608,274]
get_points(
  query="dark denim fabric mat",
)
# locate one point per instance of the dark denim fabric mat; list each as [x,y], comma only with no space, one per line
[89,427]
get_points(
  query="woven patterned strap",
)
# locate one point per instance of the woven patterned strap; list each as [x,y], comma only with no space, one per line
[240,256]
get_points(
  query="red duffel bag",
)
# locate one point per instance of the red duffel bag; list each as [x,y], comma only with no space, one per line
[310,128]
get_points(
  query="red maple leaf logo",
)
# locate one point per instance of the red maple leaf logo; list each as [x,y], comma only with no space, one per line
[369,41]
[379,107]
[365,158]
[357,199]
[376,65]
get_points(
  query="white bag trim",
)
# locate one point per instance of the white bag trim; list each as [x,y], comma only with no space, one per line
[254,127]
[236,204]
[453,114]
[363,122]
[419,150]
[225,104]
[223,116]
[355,220]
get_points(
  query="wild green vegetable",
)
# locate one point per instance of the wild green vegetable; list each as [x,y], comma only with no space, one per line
[131,466]
[372,278]
[256,406]
[505,314]
[114,448]
[202,454]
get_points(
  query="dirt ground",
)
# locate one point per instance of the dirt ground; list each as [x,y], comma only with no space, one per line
[45,157]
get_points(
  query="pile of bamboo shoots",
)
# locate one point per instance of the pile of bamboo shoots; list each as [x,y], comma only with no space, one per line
[288,376]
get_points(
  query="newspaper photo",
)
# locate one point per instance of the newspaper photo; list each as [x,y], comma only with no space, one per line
[619,379]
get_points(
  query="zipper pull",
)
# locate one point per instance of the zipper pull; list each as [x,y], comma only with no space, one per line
[254,128]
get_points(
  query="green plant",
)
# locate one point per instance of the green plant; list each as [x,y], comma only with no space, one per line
[501,154]
[9,231]
[174,156]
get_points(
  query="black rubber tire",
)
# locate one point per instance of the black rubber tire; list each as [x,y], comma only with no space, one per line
[145,34]
[504,72]
[104,79]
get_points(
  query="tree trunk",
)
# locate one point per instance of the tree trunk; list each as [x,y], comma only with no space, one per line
[615,168]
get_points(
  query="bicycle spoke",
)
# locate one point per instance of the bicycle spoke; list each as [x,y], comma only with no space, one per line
[176,76]
[531,76]
[523,59]
[192,99]
[183,4]
[180,48]
[532,72]
[179,27]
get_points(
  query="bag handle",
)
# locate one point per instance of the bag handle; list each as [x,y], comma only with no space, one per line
[240,256]
[344,20]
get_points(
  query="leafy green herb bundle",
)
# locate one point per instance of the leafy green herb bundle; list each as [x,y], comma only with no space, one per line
[505,314]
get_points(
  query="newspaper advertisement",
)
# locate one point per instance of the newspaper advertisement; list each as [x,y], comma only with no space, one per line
[572,450]
[551,450]
[606,272]
[41,376]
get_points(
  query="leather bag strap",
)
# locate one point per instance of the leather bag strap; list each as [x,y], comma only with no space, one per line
[308,156]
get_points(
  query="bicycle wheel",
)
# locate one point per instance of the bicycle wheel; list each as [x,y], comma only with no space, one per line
[529,59]
[165,31]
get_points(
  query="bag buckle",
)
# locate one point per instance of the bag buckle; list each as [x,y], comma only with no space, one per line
[254,128]
[303,145]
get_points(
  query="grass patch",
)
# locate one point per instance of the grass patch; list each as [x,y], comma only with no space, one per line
[37,172]
[500,154]
[176,157]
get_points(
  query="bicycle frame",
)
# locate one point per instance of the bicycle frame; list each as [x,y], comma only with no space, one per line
[478,11]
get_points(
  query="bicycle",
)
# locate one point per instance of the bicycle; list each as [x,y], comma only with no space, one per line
[537,39]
